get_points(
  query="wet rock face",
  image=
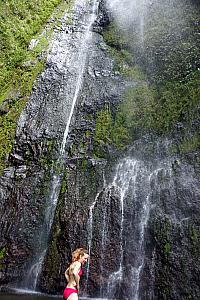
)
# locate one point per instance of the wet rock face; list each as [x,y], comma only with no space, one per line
[82,180]
[147,248]
[163,240]
[176,260]
[103,18]
[22,213]
[172,237]
[158,231]
[25,188]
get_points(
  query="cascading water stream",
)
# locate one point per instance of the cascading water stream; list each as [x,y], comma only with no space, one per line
[125,172]
[89,229]
[136,270]
[121,183]
[82,60]
[141,15]
[135,183]
[35,270]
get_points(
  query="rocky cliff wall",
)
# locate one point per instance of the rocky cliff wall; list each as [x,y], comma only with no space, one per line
[137,209]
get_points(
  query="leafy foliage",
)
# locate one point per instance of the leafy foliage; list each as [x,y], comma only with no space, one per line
[20,21]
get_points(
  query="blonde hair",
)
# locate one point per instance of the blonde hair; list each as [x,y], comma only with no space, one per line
[78,253]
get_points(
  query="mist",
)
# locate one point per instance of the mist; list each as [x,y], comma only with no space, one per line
[139,17]
[129,14]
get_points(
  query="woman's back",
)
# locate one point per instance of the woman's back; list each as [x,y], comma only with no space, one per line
[72,272]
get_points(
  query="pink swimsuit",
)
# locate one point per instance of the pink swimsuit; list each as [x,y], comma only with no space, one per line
[68,291]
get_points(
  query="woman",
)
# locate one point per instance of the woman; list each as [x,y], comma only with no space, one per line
[73,274]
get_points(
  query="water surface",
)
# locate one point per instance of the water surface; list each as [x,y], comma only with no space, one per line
[27,296]
[36,296]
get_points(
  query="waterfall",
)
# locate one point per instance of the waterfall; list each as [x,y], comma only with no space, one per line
[126,171]
[79,61]
[135,183]
[82,60]
[144,217]
[35,269]
[90,229]
[141,23]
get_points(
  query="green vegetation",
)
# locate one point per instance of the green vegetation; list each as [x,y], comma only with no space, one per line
[171,47]
[167,248]
[138,108]
[122,54]
[163,229]
[190,143]
[46,159]
[110,131]
[2,253]
[165,70]
[20,22]
[147,109]
[64,186]
[114,38]
[171,64]
[195,237]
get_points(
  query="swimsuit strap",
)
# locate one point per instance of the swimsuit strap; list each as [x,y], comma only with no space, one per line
[80,273]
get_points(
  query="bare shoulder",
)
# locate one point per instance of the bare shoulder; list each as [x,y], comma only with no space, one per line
[76,264]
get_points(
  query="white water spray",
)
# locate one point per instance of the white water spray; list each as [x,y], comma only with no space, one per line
[144,218]
[130,14]
[82,60]
[90,234]
[125,173]
[36,268]
[133,182]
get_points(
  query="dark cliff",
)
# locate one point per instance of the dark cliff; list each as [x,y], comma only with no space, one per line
[126,184]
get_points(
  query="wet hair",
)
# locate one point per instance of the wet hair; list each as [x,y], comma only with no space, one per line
[78,253]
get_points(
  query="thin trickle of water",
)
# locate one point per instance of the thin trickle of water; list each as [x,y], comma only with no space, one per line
[142,13]
[35,269]
[90,234]
[144,217]
[137,268]
[125,173]
[103,246]
[82,60]
[142,30]
[90,230]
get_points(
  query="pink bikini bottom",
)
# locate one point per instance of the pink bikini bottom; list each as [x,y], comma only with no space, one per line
[68,292]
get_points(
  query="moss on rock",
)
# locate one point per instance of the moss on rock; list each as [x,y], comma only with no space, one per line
[20,22]
[164,73]
[110,131]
